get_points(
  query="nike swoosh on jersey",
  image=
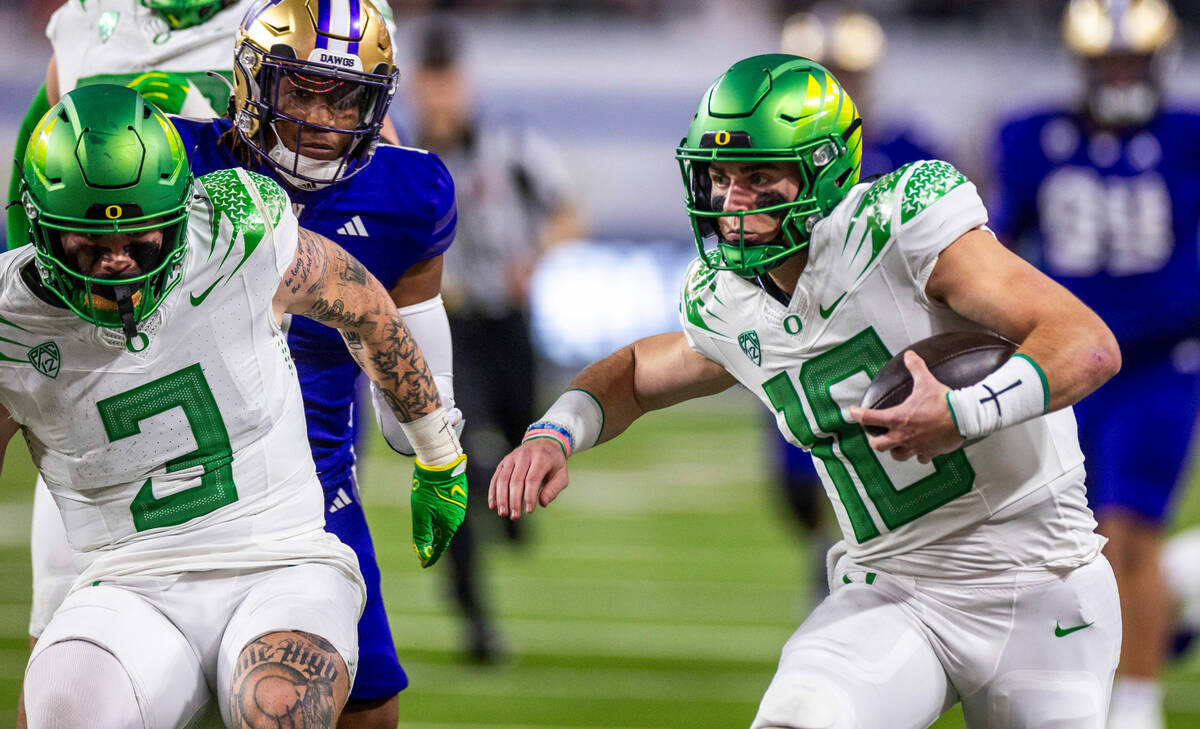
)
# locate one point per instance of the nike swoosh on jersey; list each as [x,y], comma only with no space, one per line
[1060,631]
[825,311]
[198,300]
[456,489]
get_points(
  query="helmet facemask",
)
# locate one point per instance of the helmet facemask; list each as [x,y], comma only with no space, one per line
[292,103]
[1123,89]
[109,302]
[797,217]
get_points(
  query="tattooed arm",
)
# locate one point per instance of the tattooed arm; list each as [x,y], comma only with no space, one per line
[327,284]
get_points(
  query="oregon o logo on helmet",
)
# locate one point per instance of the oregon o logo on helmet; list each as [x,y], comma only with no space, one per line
[112,212]
[722,138]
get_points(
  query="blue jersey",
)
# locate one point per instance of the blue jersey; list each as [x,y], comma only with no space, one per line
[397,211]
[1112,217]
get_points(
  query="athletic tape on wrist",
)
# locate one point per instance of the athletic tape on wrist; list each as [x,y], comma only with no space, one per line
[575,421]
[1012,394]
[433,439]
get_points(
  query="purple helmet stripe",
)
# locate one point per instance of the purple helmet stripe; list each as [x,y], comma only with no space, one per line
[323,23]
[355,26]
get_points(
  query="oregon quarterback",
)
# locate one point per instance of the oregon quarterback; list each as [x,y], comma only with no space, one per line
[962,572]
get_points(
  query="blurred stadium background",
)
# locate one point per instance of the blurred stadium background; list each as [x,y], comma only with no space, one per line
[660,588]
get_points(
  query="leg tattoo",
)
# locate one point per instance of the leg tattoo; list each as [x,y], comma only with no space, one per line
[290,680]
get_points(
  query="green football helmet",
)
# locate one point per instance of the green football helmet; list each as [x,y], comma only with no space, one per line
[185,13]
[771,108]
[105,160]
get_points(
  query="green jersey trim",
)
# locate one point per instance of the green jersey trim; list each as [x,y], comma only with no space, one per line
[1042,377]
[928,183]
[953,417]
[692,301]
[597,401]
[874,214]
[233,202]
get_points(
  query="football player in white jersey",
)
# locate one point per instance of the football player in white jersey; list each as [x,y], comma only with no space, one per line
[969,570]
[176,53]
[143,358]
[163,48]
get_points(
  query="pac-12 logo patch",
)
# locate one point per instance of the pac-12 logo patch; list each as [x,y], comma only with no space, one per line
[749,341]
[45,359]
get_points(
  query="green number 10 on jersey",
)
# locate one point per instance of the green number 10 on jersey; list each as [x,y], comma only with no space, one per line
[846,445]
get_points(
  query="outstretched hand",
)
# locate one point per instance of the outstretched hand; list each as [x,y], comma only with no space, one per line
[921,426]
[535,472]
[439,505]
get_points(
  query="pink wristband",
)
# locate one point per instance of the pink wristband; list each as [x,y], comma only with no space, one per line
[554,432]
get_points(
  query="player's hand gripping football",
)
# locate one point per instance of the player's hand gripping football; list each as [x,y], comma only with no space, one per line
[439,505]
[164,89]
[534,473]
[921,426]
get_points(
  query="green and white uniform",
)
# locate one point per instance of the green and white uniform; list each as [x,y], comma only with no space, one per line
[116,41]
[861,299]
[191,453]
[952,576]
[182,470]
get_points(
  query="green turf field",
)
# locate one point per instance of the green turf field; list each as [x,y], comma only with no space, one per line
[654,594]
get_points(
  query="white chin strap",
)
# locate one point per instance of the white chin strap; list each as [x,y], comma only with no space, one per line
[289,160]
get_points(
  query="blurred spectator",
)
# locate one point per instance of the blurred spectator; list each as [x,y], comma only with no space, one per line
[513,203]
[851,44]
[1104,196]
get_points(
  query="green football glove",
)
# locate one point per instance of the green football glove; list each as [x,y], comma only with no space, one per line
[164,89]
[439,505]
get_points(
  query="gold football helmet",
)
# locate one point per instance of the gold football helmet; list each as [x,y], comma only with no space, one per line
[840,39]
[1124,45]
[312,83]
[1097,27]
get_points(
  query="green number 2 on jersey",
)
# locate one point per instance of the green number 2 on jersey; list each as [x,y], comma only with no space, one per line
[186,389]
[953,475]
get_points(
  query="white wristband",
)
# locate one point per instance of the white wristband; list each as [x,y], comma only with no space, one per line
[433,439]
[393,429]
[579,414]
[431,329]
[1012,394]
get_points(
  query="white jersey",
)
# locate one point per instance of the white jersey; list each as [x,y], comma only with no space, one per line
[115,41]
[1013,500]
[191,453]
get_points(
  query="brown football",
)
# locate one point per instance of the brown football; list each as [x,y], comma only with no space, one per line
[956,359]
